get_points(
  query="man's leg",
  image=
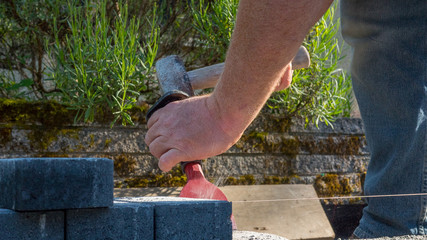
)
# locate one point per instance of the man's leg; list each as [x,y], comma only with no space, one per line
[389,73]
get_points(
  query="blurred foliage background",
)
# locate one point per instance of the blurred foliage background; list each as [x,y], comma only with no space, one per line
[97,57]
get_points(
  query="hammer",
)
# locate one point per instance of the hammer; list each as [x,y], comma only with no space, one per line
[177,84]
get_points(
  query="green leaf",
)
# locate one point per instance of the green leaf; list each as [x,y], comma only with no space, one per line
[23,83]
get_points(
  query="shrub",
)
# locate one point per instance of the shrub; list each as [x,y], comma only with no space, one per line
[319,93]
[215,23]
[101,66]
[96,56]
[24,27]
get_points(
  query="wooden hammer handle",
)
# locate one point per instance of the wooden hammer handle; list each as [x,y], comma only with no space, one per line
[208,77]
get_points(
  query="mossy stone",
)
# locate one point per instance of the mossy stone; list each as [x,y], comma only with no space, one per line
[124,165]
[329,185]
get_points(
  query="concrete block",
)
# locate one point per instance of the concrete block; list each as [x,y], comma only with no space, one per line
[38,184]
[31,225]
[190,219]
[122,221]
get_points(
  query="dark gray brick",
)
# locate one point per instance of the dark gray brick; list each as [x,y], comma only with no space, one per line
[122,221]
[37,184]
[201,220]
[31,225]
[189,219]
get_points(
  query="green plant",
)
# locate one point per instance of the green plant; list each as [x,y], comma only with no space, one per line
[10,87]
[101,65]
[175,29]
[318,94]
[214,22]
[24,26]
[37,43]
[321,92]
[100,55]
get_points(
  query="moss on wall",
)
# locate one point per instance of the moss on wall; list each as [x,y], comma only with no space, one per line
[5,135]
[281,179]
[260,141]
[50,113]
[107,142]
[173,178]
[276,180]
[124,165]
[344,145]
[274,123]
[329,185]
[42,137]
[291,146]
[47,113]
[242,180]
[251,180]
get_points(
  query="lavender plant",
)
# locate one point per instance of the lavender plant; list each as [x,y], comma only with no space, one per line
[321,92]
[102,66]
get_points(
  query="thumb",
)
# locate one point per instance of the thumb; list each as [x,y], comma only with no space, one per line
[170,158]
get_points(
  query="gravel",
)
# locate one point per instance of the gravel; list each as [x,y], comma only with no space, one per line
[246,235]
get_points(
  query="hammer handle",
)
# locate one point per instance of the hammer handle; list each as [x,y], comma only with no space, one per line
[208,77]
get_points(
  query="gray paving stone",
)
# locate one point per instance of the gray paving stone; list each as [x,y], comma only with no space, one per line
[37,184]
[122,221]
[200,220]
[31,225]
[190,219]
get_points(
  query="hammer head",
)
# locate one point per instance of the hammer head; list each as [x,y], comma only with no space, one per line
[174,82]
[172,76]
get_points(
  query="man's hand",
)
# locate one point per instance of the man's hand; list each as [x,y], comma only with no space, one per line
[188,130]
[191,129]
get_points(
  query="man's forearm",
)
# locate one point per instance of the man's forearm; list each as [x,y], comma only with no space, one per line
[266,37]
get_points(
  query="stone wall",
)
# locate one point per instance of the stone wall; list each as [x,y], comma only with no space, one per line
[270,152]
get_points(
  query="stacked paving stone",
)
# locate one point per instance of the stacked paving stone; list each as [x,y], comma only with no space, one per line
[72,198]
